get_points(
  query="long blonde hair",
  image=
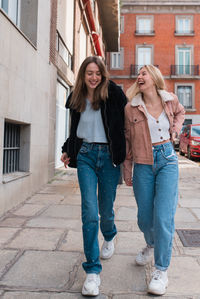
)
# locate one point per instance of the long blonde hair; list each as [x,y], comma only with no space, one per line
[79,94]
[156,76]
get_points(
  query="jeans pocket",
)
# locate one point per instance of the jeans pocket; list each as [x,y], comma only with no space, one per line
[169,154]
[84,149]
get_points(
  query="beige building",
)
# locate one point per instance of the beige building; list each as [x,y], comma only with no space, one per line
[42,46]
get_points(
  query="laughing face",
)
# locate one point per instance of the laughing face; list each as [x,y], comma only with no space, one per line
[144,80]
[93,76]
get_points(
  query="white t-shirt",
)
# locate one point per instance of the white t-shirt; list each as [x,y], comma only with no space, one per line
[90,126]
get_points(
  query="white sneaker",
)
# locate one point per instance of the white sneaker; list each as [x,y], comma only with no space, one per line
[145,256]
[158,283]
[107,249]
[91,285]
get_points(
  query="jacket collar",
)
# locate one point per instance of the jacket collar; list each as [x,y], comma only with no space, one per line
[138,101]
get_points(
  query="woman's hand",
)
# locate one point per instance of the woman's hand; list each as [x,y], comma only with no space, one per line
[65,159]
[128,182]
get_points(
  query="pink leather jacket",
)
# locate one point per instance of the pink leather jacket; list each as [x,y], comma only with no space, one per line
[138,139]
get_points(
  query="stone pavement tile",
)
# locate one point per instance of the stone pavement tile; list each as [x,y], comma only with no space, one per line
[28,210]
[49,222]
[184,215]
[132,296]
[41,270]
[119,275]
[190,203]
[12,221]
[184,274]
[125,200]
[45,199]
[6,234]
[6,256]
[43,295]
[124,213]
[62,211]
[72,242]
[196,212]
[74,199]
[36,238]
[125,191]
[126,226]
[129,243]
[191,251]
[187,225]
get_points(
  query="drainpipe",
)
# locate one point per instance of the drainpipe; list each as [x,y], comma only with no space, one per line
[90,17]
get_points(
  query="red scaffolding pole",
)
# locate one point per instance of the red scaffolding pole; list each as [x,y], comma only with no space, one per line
[95,35]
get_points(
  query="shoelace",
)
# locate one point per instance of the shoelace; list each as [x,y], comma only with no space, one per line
[92,278]
[156,275]
[108,245]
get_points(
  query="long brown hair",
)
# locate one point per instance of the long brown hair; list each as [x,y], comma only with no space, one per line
[79,94]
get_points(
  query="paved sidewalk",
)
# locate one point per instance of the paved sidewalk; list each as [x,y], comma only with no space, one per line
[41,244]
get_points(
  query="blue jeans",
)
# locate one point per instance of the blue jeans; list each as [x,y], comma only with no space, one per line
[95,168]
[156,192]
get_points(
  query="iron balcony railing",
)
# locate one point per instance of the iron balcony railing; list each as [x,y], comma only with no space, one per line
[63,50]
[181,70]
[134,70]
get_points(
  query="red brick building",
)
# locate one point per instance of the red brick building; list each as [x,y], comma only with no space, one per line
[166,34]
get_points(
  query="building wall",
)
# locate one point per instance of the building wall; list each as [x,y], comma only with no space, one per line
[26,98]
[163,43]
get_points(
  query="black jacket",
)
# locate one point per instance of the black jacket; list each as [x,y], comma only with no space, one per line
[112,112]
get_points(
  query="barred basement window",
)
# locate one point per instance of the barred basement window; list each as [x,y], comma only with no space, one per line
[11,151]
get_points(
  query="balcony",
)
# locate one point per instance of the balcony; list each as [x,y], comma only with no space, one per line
[63,50]
[184,71]
[144,32]
[134,69]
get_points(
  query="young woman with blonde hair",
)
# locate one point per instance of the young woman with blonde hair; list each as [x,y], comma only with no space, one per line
[96,146]
[153,118]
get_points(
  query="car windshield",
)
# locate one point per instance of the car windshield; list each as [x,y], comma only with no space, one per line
[195,132]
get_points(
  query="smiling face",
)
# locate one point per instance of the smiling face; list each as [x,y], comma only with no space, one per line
[144,80]
[93,76]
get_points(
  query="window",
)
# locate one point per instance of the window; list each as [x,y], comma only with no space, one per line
[144,55]
[11,7]
[117,59]
[122,24]
[62,119]
[24,15]
[184,61]
[11,148]
[144,25]
[184,25]
[185,95]
[16,148]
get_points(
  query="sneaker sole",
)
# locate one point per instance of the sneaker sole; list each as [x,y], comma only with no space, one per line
[107,257]
[157,293]
[86,293]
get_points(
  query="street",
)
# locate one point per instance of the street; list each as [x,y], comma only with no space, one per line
[41,247]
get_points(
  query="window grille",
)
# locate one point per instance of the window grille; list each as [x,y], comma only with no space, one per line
[11,150]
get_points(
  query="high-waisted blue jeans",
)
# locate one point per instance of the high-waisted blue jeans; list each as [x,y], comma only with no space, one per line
[95,168]
[156,192]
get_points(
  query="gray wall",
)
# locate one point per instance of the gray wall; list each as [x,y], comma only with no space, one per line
[27,97]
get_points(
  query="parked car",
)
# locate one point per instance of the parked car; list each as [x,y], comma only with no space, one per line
[177,139]
[190,141]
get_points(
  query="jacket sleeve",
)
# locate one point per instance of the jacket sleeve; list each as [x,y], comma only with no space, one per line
[179,115]
[128,163]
